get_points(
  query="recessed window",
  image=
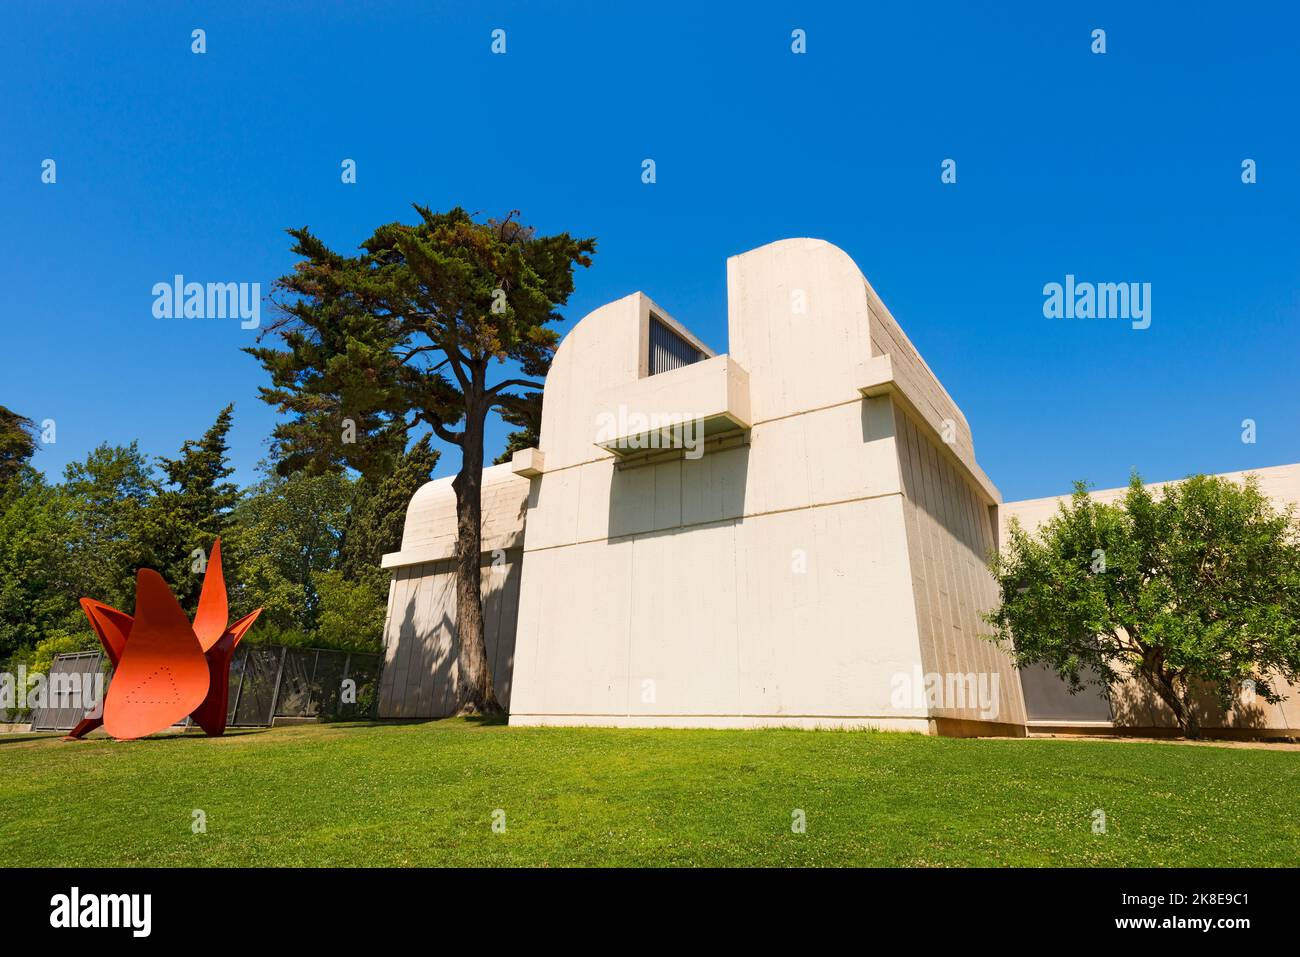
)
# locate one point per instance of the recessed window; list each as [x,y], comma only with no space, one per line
[668,350]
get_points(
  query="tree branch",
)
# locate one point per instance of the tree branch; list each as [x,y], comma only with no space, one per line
[522,383]
[440,430]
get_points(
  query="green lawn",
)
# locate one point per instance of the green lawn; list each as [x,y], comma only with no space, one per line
[425,794]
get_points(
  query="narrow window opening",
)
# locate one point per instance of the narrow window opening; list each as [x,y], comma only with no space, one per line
[668,350]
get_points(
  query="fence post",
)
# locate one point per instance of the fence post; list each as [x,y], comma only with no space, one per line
[275,695]
[311,688]
[243,672]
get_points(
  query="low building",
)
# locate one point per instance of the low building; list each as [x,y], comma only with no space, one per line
[794,533]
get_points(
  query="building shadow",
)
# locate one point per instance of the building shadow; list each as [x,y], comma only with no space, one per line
[666,492]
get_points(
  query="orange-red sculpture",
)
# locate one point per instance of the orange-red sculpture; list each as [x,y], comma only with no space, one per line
[164,667]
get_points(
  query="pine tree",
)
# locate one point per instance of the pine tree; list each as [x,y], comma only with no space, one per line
[17,443]
[192,509]
[409,333]
[378,514]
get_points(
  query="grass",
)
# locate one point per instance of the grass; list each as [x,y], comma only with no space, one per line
[424,794]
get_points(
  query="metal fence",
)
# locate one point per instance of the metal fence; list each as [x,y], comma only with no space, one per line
[66,701]
[266,682]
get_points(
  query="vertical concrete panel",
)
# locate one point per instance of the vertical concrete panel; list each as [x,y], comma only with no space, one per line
[667,495]
[595,480]
[951,528]
[393,645]
[580,662]
[631,501]
[407,640]
[432,675]
[777,476]
[714,486]
[503,663]
[553,518]
[526,690]
[683,626]
[797,361]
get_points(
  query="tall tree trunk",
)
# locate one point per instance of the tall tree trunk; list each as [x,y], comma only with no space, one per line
[477,696]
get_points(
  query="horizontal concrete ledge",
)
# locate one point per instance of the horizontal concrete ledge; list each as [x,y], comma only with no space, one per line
[442,553]
[653,413]
[735,437]
[719,722]
[415,557]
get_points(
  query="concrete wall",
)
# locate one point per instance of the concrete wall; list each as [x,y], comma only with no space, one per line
[1131,707]
[771,581]
[827,546]
[420,648]
[951,534]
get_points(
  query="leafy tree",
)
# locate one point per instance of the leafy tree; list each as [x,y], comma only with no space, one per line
[108,496]
[528,416]
[60,542]
[284,533]
[355,598]
[1192,592]
[378,513]
[192,508]
[408,333]
[351,613]
[17,443]
[37,593]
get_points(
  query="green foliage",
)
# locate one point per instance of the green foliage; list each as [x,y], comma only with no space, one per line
[352,610]
[378,513]
[283,534]
[58,643]
[60,542]
[282,542]
[528,417]
[17,443]
[404,333]
[36,582]
[191,509]
[1193,591]
[108,498]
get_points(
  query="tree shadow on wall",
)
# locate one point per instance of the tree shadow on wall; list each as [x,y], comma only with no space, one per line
[1135,705]
[418,681]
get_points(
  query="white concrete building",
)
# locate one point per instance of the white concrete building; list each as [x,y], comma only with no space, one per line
[790,534]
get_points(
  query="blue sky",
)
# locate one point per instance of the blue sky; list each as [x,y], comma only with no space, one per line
[1117,167]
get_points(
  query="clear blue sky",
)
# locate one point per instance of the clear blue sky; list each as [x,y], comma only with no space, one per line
[1120,167]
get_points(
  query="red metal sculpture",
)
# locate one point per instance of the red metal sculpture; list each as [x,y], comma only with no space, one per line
[164,667]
